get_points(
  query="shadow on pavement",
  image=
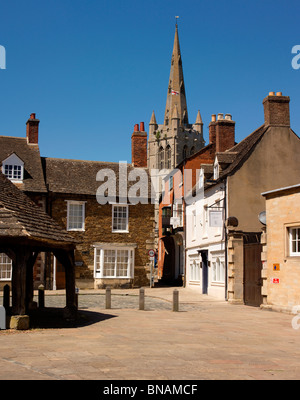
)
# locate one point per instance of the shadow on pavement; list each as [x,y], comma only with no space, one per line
[53,318]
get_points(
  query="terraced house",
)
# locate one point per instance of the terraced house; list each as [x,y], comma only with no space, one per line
[114,235]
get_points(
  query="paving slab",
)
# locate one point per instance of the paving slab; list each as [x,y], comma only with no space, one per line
[207,339]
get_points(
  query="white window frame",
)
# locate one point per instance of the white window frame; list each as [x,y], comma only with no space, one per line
[78,203]
[195,270]
[5,265]
[218,269]
[117,230]
[116,252]
[296,240]
[216,171]
[205,221]
[194,224]
[17,168]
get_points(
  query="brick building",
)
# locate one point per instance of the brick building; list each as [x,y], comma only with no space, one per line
[172,207]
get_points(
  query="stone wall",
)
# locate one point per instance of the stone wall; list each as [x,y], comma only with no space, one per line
[98,229]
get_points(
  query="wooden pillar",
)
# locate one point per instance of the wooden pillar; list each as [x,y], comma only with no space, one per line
[66,258]
[29,278]
[19,273]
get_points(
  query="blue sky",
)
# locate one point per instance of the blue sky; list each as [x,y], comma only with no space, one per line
[91,69]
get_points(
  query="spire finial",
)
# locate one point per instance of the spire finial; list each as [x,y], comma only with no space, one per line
[176,20]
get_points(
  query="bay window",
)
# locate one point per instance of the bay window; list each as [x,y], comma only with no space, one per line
[114,262]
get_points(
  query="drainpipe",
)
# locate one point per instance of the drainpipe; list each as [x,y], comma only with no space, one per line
[226,240]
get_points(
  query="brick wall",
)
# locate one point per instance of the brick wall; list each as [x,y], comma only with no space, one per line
[276,110]
[139,149]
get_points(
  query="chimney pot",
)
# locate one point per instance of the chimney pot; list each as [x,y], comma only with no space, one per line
[32,116]
[136,128]
[142,125]
[272,94]
[228,117]
[279,94]
[213,118]
[220,116]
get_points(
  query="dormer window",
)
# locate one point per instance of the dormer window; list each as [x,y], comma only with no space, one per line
[13,168]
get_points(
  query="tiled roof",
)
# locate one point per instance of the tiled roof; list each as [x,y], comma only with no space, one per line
[79,177]
[238,154]
[30,155]
[244,149]
[21,217]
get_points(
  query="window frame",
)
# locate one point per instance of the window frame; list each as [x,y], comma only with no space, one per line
[218,269]
[117,230]
[6,264]
[99,261]
[69,204]
[14,162]
[161,158]
[291,240]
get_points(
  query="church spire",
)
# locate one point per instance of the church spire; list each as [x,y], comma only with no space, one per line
[176,90]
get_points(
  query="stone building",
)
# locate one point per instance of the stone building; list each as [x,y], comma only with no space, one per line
[21,162]
[175,139]
[115,236]
[281,251]
[106,207]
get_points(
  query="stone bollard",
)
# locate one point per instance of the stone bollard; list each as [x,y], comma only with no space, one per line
[175,300]
[142,299]
[2,318]
[41,289]
[6,297]
[108,298]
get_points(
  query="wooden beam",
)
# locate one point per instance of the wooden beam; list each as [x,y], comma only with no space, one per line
[19,280]
[66,258]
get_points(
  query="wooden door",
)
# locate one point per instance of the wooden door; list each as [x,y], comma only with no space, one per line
[252,274]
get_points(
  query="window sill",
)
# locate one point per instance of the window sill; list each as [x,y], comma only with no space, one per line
[120,231]
[112,277]
[75,230]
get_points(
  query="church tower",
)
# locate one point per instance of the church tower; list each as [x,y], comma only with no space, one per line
[175,139]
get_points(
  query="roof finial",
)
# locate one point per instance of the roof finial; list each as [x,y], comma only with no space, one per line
[176,19]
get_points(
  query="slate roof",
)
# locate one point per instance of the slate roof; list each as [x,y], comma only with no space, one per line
[21,217]
[79,177]
[30,155]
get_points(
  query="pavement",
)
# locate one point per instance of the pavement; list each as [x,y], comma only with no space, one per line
[207,339]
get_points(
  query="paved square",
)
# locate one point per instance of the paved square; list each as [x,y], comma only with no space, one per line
[207,339]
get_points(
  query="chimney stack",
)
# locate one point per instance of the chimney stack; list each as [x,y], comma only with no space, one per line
[225,133]
[277,109]
[212,129]
[139,146]
[32,129]
[222,132]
